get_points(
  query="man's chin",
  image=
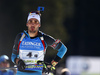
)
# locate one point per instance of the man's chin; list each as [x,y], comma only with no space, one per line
[32,31]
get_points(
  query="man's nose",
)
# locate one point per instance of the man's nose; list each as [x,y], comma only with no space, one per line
[33,23]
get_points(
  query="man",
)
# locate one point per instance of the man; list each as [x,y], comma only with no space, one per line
[30,47]
[4,63]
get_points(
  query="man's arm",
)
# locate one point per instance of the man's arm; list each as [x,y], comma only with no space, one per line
[61,52]
[58,45]
[15,53]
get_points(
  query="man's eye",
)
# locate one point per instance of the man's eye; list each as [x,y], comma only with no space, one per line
[33,21]
[36,21]
[30,21]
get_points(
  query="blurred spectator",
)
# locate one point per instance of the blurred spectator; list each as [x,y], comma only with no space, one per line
[65,71]
[4,63]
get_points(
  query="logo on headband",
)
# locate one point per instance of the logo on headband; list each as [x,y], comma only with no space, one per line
[33,16]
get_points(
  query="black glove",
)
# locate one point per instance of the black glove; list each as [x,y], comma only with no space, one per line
[47,67]
[53,69]
[21,65]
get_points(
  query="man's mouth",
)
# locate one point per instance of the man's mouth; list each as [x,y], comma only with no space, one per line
[32,28]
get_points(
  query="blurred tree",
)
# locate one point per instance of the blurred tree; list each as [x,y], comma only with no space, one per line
[16,13]
[52,18]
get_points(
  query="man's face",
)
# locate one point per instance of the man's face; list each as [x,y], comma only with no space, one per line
[33,25]
[4,64]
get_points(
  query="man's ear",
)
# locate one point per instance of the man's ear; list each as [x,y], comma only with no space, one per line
[39,25]
[26,24]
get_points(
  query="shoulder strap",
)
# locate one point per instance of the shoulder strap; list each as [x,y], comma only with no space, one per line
[23,35]
[42,39]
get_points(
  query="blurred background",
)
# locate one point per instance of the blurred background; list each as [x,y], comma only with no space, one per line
[75,22]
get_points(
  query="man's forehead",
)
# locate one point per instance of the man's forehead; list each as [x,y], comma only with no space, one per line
[33,19]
